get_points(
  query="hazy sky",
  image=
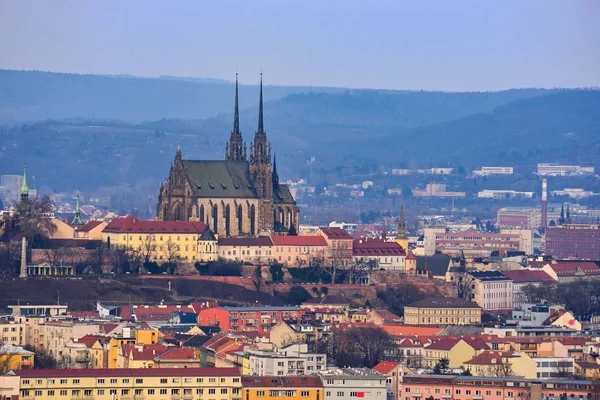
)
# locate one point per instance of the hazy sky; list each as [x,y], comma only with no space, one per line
[450,45]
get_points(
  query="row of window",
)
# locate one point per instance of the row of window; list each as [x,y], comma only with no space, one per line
[282,393]
[138,381]
[125,392]
[160,238]
[459,391]
[352,394]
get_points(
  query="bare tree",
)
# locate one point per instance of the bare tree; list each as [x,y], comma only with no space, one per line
[118,257]
[500,370]
[464,285]
[171,252]
[59,256]
[369,343]
[33,219]
[257,278]
[10,254]
[361,270]
[6,359]
[148,249]
[97,258]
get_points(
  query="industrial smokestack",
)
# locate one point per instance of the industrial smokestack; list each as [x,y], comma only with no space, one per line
[544,203]
[23,271]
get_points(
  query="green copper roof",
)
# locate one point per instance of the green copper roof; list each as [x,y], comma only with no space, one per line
[220,179]
[24,188]
[77,219]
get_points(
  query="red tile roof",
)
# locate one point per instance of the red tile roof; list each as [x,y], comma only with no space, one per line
[159,312]
[88,226]
[566,268]
[388,317]
[143,352]
[527,275]
[411,330]
[84,314]
[281,381]
[376,247]
[411,255]
[489,358]
[131,224]
[178,354]
[385,367]
[126,372]
[299,240]
[336,233]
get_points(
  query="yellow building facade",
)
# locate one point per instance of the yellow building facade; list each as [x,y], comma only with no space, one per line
[15,357]
[147,384]
[159,241]
[442,311]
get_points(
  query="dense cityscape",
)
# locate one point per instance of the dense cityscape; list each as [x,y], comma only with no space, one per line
[162,262]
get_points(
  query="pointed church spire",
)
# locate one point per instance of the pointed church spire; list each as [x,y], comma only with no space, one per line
[275,174]
[260,107]
[24,188]
[178,152]
[77,219]
[401,225]
[236,110]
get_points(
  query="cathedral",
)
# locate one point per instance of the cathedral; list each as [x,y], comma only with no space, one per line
[234,197]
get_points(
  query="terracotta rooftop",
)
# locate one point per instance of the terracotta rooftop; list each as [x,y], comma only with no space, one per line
[489,358]
[336,233]
[385,367]
[566,268]
[178,354]
[131,224]
[88,226]
[376,247]
[527,275]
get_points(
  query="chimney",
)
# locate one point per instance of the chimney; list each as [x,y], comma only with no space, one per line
[544,203]
[23,272]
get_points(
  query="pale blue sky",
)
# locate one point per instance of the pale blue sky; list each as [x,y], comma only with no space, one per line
[436,44]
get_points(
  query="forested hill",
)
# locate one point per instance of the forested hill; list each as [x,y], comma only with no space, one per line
[27,96]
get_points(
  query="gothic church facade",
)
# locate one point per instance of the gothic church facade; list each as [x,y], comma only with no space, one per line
[234,197]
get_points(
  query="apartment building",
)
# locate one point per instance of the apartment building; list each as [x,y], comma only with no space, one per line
[500,194]
[348,383]
[519,218]
[256,250]
[292,360]
[493,388]
[54,335]
[382,254]
[292,388]
[339,244]
[552,169]
[394,373]
[574,241]
[249,319]
[492,290]
[299,251]
[456,350]
[442,310]
[436,190]
[149,384]
[484,171]
[474,243]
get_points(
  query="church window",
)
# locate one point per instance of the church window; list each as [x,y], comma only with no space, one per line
[215,218]
[252,220]
[201,213]
[227,220]
[240,219]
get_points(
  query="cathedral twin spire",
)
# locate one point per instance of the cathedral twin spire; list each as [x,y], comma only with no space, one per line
[260,149]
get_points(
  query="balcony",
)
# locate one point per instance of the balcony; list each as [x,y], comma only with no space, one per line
[417,395]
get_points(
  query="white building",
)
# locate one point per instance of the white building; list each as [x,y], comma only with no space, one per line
[367,184]
[436,190]
[348,227]
[493,171]
[519,217]
[348,383]
[551,169]
[293,360]
[574,193]
[492,290]
[554,367]
[503,194]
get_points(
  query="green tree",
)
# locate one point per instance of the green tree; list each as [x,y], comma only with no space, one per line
[298,295]
[442,367]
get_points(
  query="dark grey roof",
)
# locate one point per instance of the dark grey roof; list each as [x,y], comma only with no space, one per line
[437,264]
[443,302]
[216,179]
[489,276]
[208,235]
[459,330]
[283,195]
